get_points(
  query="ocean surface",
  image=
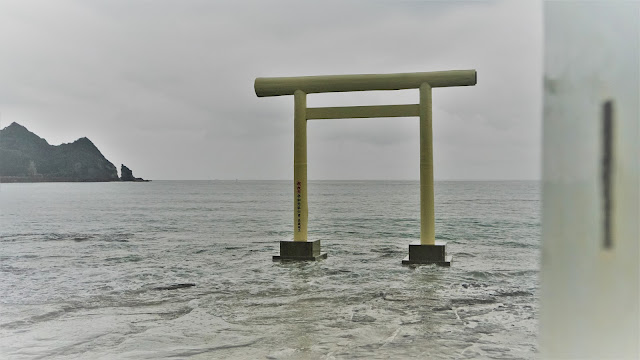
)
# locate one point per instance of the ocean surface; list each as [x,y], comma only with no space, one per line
[80,264]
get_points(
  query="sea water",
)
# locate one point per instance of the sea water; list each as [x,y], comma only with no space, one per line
[80,264]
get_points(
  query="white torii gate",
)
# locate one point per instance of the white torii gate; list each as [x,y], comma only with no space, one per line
[427,250]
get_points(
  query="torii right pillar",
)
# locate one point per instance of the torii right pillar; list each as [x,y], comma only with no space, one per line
[427,250]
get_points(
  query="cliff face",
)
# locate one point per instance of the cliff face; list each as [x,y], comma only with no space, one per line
[24,156]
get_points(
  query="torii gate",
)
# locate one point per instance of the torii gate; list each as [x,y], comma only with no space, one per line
[427,250]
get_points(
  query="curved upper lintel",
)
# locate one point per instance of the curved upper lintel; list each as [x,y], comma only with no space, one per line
[277,86]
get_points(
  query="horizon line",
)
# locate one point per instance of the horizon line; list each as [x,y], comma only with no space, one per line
[227,179]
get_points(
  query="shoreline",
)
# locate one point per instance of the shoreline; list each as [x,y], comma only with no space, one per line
[24,179]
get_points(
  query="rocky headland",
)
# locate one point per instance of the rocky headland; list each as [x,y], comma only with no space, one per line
[26,157]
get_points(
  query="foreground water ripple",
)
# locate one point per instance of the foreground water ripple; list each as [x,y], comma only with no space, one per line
[86,272]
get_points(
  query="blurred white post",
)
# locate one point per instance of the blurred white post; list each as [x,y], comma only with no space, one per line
[590,198]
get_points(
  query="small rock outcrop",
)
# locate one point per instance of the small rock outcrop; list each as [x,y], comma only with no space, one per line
[127,175]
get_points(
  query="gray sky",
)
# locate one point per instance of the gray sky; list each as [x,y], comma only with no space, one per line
[166,87]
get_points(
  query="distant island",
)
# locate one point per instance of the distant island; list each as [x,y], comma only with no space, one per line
[26,157]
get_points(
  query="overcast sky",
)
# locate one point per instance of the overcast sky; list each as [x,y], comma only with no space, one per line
[166,87]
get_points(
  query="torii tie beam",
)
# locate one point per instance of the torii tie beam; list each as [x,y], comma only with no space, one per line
[427,250]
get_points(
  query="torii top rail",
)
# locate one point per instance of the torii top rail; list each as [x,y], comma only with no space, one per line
[299,87]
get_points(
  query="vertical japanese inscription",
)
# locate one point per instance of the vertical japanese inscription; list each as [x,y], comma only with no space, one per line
[299,203]
[607,170]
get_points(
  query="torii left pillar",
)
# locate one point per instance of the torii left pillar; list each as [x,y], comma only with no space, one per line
[300,248]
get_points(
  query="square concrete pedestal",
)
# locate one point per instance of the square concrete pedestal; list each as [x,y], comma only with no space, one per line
[300,250]
[428,254]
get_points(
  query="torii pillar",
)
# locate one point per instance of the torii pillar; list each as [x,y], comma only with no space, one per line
[425,251]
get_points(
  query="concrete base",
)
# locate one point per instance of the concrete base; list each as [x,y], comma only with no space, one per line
[300,250]
[428,254]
